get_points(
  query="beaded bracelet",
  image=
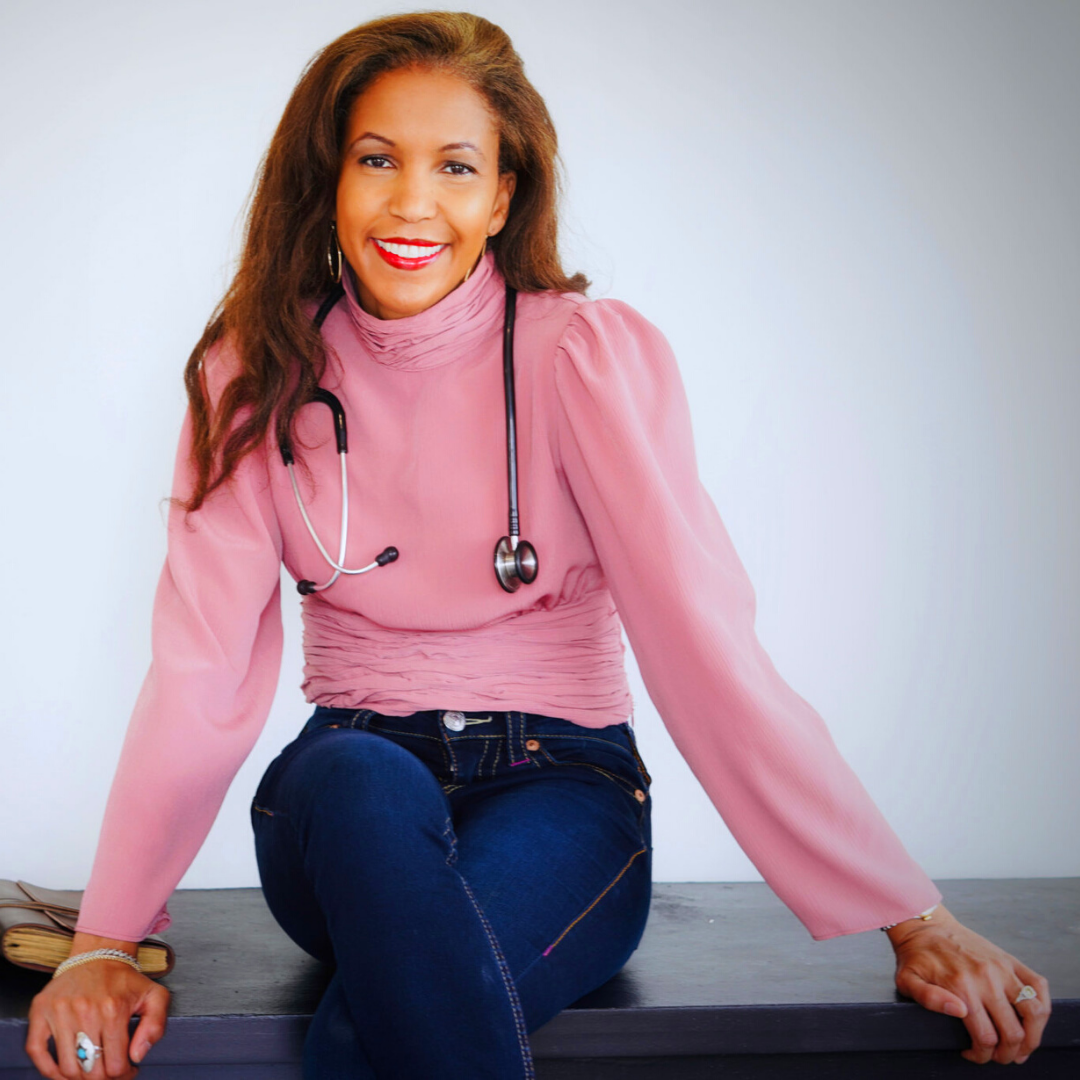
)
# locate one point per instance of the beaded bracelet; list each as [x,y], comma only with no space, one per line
[925,916]
[97,954]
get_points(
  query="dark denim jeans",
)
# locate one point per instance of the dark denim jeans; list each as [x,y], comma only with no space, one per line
[469,875]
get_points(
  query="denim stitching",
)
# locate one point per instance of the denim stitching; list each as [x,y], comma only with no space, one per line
[448,744]
[262,809]
[590,738]
[508,982]
[515,727]
[595,902]
[483,755]
[521,749]
[589,765]
[644,772]
[641,764]
[508,728]
[500,959]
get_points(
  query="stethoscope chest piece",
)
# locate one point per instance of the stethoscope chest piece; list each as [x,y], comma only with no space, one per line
[514,566]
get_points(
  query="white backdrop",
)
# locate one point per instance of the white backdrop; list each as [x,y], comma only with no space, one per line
[856,223]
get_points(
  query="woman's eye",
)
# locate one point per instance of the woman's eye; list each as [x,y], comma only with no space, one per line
[380,161]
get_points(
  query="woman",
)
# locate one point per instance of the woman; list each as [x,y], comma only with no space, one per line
[463,826]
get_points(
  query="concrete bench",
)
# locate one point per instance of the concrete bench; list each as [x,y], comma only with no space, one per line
[726,983]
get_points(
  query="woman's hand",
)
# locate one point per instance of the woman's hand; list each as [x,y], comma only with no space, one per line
[948,968]
[98,997]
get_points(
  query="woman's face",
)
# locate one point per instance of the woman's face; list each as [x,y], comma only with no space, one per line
[420,169]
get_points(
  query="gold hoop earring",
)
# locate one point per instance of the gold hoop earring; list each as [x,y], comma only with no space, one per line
[483,252]
[331,247]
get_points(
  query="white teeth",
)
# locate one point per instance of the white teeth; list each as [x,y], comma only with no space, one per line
[409,251]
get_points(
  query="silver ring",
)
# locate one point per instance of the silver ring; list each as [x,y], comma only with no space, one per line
[1026,994]
[86,1051]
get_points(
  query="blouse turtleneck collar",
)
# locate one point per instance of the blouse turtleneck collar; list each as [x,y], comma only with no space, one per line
[439,334]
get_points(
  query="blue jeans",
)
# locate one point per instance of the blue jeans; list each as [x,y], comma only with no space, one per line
[468,875]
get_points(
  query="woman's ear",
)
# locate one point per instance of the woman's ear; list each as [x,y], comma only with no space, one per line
[501,210]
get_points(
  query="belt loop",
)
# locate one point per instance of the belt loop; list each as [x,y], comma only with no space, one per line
[515,742]
[361,719]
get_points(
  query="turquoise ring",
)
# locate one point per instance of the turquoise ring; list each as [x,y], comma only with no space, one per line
[86,1051]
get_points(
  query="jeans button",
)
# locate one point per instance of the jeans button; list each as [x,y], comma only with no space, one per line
[639,795]
[532,744]
[454,720]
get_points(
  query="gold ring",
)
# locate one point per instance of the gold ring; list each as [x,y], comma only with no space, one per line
[1026,994]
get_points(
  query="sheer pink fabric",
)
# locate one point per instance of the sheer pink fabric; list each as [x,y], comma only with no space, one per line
[626,536]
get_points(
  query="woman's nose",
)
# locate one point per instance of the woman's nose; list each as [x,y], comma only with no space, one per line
[413,196]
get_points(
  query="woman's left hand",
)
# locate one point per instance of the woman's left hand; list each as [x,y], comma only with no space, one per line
[948,968]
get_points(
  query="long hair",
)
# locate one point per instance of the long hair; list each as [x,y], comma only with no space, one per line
[283,265]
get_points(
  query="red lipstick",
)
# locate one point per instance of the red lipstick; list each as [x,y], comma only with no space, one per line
[401,262]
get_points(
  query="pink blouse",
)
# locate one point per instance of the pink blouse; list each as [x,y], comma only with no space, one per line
[625,533]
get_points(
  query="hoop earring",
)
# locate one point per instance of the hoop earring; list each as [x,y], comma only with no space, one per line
[332,246]
[483,252]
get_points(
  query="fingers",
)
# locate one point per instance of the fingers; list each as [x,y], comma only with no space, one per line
[989,1039]
[114,1043]
[154,1009]
[929,996]
[951,969]
[984,1035]
[37,1047]
[104,1023]
[65,1025]
[1002,1030]
[967,1004]
[1010,1030]
[1033,1013]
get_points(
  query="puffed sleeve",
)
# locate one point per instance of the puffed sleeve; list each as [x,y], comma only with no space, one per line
[761,752]
[216,656]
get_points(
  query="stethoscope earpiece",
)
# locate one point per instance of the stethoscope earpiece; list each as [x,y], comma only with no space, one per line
[515,559]
[387,555]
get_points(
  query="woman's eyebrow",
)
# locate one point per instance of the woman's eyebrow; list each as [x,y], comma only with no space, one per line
[442,149]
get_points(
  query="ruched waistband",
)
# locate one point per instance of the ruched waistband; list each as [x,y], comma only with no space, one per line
[567,662]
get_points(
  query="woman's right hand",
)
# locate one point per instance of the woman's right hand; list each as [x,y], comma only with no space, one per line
[98,997]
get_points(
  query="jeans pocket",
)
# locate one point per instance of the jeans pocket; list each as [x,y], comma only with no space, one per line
[612,756]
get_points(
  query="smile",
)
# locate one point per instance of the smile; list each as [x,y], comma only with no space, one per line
[408,255]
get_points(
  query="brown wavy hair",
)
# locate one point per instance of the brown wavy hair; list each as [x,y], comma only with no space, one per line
[283,263]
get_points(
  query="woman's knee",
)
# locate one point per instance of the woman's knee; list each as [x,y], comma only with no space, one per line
[340,773]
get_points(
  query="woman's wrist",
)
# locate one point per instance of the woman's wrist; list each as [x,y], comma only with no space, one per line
[88,942]
[903,931]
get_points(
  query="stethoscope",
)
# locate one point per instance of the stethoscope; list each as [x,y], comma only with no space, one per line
[515,559]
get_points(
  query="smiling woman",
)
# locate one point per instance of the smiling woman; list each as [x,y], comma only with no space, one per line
[462,829]
[414,213]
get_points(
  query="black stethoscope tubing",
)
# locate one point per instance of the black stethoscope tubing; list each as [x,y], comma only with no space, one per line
[515,559]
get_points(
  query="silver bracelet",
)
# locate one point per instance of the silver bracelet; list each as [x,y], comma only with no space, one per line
[925,916]
[97,954]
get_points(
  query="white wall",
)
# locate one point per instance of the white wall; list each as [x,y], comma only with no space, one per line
[857,224]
